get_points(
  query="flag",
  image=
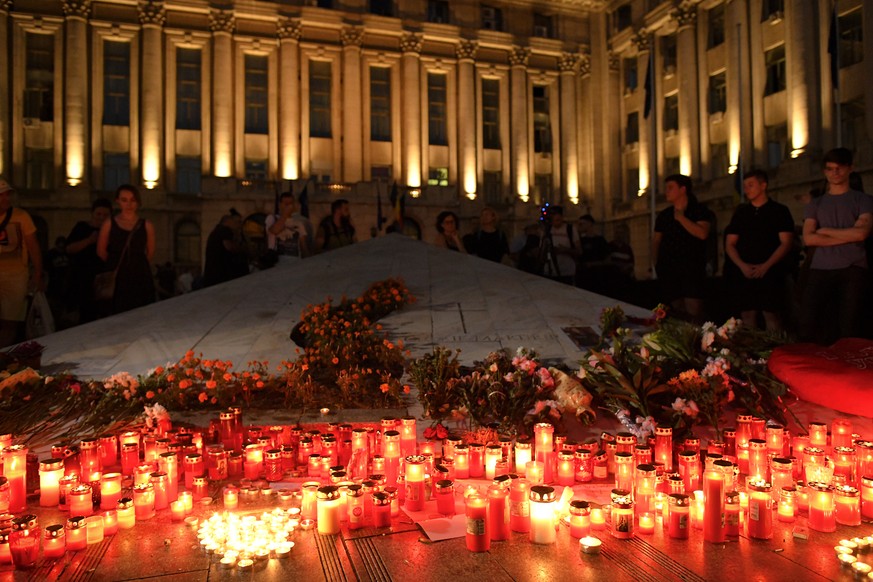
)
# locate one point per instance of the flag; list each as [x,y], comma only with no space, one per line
[398,202]
[834,48]
[650,86]
[303,200]
[380,219]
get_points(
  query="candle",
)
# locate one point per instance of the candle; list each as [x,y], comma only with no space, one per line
[584,466]
[622,515]
[54,542]
[216,463]
[522,457]
[444,492]
[50,473]
[544,437]
[845,464]
[498,512]
[847,505]
[786,509]
[713,511]
[391,452]
[534,472]
[646,523]
[125,512]
[477,535]
[818,434]
[519,505]
[781,475]
[477,460]
[94,529]
[108,450]
[407,435]
[415,476]
[841,432]
[254,461]
[24,541]
[90,461]
[355,507]
[590,545]
[15,471]
[580,518]
[542,514]
[144,501]
[158,480]
[775,434]
[177,509]
[821,507]
[758,460]
[328,510]
[76,534]
[493,453]
[760,523]
[867,497]
[80,500]
[664,447]
[678,510]
[308,506]
[644,489]
[689,469]
[624,471]
[110,522]
[598,519]
[110,490]
[381,509]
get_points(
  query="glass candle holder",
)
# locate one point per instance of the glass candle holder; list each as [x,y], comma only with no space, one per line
[477,537]
[444,491]
[624,470]
[847,505]
[493,454]
[867,497]
[841,432]
[818,434]
[845,464]
[498,512]
[90,461]
[194,467]
[643,455]
[15,471]
[787,507]
[110,490]
[760,522]
[542,514]
[355,507]
[110,522]
[519,505]
[580,518]
[144,501]
[94,529]
[622,514]
[664,446]
[477,460]
[758,459]
[50,473]
[821,507]
[781,475]
[689,470]
[678,515]
[24,541]
[415,482]
[80,500]
[775,434]
[713,507]
[328,510]
[54,542]
[158,480]
[522,456]
[126,513]
[381,509]
[732,511]
[76,534]
[566,468]
[625,442]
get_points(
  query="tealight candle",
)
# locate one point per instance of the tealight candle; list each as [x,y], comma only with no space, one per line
[230,497]
[861,569]
[590,545]
[646,523]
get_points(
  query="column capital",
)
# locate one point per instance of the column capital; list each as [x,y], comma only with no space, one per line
[567,62]
[352,36]
[518,56]
[5,6]
[584,64]
[411,42]
[77,8]
[684,15]
[289,29]
[466,50]
[614,61]
[152,13]
[642,40]
[222,21]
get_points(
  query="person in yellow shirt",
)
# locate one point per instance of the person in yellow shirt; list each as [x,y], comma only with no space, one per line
[18,247]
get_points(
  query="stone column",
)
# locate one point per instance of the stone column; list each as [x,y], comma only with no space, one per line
[801,50]
[689,112]
[648,139]
[221,23]
[353,137]
[5,129]
[518,119]
[467,129]
[152,17]
[76,134]
[867,15]
[569,138]
[410,117]
[739,85]
[585,126]
[289,32]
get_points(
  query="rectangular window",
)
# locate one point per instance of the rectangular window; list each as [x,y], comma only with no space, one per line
[116,170]
[39,166]
[492,186]
[256,170]
[491,114]
[671,112]
[438,177]
[543,188]
[716,20]
[777,144]
[382,7]
[669,54]
[256,68]
[116,83]
[324,4]
[543,26]
[851,38]
[633,183]
[632,129]
[39,78]
[492,18]
[775,62]
[319,98]
[630,74]
[380,104]
[541,121]
[188,87]
[621,18]
[437,106]
[438,11]
[188,174]
[854,122]
[671,166]
[772,9]
[718,93]
[380,173]
[718,154]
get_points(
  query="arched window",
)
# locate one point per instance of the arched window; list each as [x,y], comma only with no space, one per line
[187,243]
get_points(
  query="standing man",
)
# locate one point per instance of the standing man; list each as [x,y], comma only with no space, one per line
[225,258]
[286,232]
[18,248]
[559,246]
[835,225]
[84,262]
[679,247]
[336,230]
[759,237]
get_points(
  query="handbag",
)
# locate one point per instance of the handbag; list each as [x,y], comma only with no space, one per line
[104,283]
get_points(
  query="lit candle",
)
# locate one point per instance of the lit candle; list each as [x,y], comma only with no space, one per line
[493,453]
[689,469]
[90,461]
[598,519]
[109,450]
[415,476]
[818,434]
[775,437]
[714,510]
[50,473]
[94,529]
[821,507]
[328,501]
[845,464]
[781,475]
[522,457]
[590,545]
[624,471]
[678,510]
[381,509]
[664,447]
[519,505]
[584,466]
[477,460]
[187,499]
[478,537]
[177,509]
[758,460]
[158,480]
[444,491]
[841,432]
[15,471]
[125,513]
[80,500]
[76,534]
[143,501]
[644,489]
[193,468]
[355,507]
[308,506]
[867,497]
[254,462]
[760,523]
[110,522]
[847,505]
[544,437]
[534,472]
[647,523]
[498,512]
[622,515]
[407,435]
[391,452]
[580,518]
[110,490]
[787,505]
[462,461]
[542,514]
[54,542]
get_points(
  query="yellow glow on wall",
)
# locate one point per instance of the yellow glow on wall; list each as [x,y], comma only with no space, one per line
[222,165]
[470,183]
[151,168]
[685,165]
[75,167]
[573,188]
[290,171]
[644,179]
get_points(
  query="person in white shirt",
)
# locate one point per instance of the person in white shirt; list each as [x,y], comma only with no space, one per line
[286,232]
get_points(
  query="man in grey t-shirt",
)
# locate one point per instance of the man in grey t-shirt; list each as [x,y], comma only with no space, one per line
[835,227]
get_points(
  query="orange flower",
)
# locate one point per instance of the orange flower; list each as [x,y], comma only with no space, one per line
[149,395]
[184,384]
[202,397]
[207,363]
[406,389]
[171,378]
[159,370]
[384,388]
[259,384]
[304,367]
[227,377]
[189,372]
[335,361]
[211,384]
[214,400]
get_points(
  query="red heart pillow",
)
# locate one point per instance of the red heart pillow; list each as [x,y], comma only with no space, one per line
[838,376]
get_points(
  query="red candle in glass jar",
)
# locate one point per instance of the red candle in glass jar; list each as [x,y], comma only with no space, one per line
[580,518]
[760,522]
[415,477]
[54,542]
[478,537]
[847,505]
[519,505]
[477,460]
[566,468]
[732,513]
[193,468]
[867,497]
[678,515]
[498,512]
[110,490]
[664,447]
[713,507]
[76,534]
[821,507]
[24,541]
[15,471]
[445,497]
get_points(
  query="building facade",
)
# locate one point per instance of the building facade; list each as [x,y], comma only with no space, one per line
[512,104]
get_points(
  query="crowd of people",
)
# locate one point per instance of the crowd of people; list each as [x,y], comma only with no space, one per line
[824,272]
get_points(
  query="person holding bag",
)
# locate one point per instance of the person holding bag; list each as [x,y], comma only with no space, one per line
[126,244]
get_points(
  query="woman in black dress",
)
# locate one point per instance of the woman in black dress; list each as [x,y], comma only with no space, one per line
[134,285]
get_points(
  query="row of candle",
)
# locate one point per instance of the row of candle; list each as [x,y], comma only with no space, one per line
[849,554]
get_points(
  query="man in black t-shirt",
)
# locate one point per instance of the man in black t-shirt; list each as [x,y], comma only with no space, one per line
[84,262]
[679,247]
[225,259]
[487,241]
[758,239]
